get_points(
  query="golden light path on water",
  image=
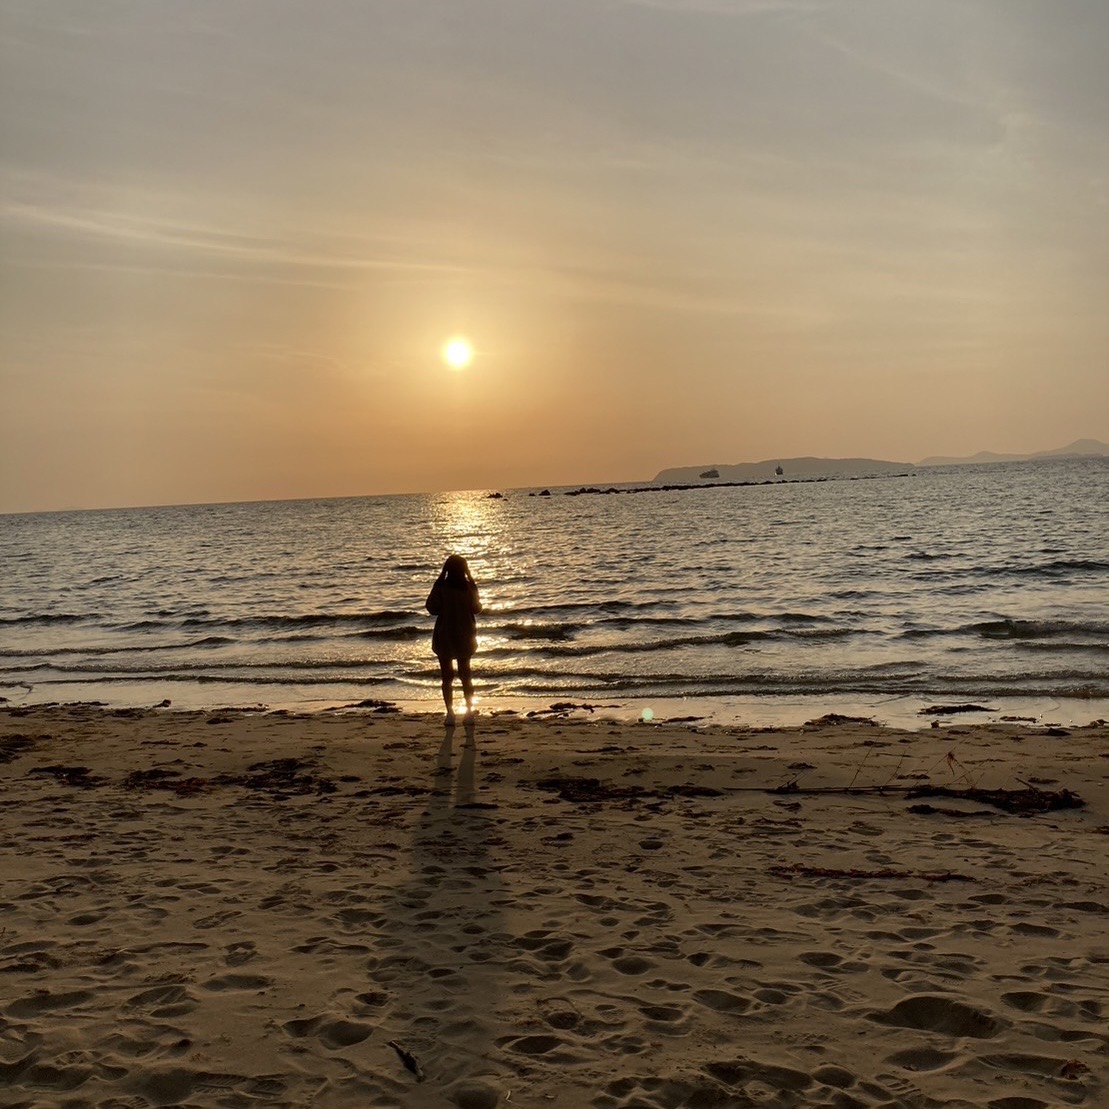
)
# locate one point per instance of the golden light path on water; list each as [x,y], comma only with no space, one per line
[472,524]
[479,525]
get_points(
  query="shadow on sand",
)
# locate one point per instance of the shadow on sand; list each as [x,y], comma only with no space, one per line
[438,950]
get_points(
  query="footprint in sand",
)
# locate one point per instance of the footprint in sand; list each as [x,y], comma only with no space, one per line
[1026,929]
[176,1085]
[253,982]
[921,1058]
[366,1003]
[214,920]
[535,1045]
[332,1033]
[628,964]
[824,999]
[551,1049]
[939,1014]
[829,960]
[552,948]
[168,1000]
[43,1001]
[327,948]
[831,1075]
[83,919]
[989,899]
[1046,1066]
[670,1020]
[722,1001]
[165,1042]
[663,1092]
[892,1085]
[562,1018]
[236,954]
[349,919]
[741,1072]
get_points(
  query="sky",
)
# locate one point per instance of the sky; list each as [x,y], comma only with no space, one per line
[235,234]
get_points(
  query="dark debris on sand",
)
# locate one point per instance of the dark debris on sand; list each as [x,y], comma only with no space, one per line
[80,777]
[947,710]
[1023,802]
[594,791]
[278,777]
[374,705]
[834,719]
[12,746]
[798,870]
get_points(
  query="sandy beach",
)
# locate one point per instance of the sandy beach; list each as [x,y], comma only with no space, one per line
[360,908]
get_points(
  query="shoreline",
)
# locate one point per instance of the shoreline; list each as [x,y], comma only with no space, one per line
[233,907]
[906,711]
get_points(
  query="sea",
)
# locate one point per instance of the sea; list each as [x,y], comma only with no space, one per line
[892,597]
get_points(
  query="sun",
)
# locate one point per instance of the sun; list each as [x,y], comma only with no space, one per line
[458,352]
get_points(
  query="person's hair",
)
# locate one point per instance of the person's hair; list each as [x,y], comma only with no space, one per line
[456,571]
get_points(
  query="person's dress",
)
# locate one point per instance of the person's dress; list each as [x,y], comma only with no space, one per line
[455,634]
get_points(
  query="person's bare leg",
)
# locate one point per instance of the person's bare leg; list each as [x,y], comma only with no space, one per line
[467,683]
[446,671]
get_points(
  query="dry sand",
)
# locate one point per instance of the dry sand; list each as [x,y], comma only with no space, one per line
[177,928]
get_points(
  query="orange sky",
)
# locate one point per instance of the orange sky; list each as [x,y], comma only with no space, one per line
[235,236]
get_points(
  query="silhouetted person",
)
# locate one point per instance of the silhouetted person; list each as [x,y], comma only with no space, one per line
[454,603]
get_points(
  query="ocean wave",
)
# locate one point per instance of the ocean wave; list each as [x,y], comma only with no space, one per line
[535,631]
[221,679]
[880,681]
[298,620]
[47,618]
[304,666]
[647,646]
[1084,687]
[1007,628]
[408,631]
[1060,566]
[101,651]
[564,608]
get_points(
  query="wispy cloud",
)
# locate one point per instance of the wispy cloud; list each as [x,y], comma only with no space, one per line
[143,231]
[728,7]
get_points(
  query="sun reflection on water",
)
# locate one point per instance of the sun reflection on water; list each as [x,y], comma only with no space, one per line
[467,524]
[474,526]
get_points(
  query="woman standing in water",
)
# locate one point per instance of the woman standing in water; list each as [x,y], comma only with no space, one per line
[454,603]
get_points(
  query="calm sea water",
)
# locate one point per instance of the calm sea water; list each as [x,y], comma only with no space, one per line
[988,584]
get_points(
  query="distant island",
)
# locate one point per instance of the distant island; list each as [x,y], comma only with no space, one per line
[785,469]
[1080,448]
[809,468]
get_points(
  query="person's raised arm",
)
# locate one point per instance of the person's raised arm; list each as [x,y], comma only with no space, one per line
[433,602]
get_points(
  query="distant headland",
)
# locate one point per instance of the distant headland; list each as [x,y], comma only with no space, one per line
[815,468]
[1080,448]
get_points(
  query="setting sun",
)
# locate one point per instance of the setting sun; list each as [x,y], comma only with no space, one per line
[458,352]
